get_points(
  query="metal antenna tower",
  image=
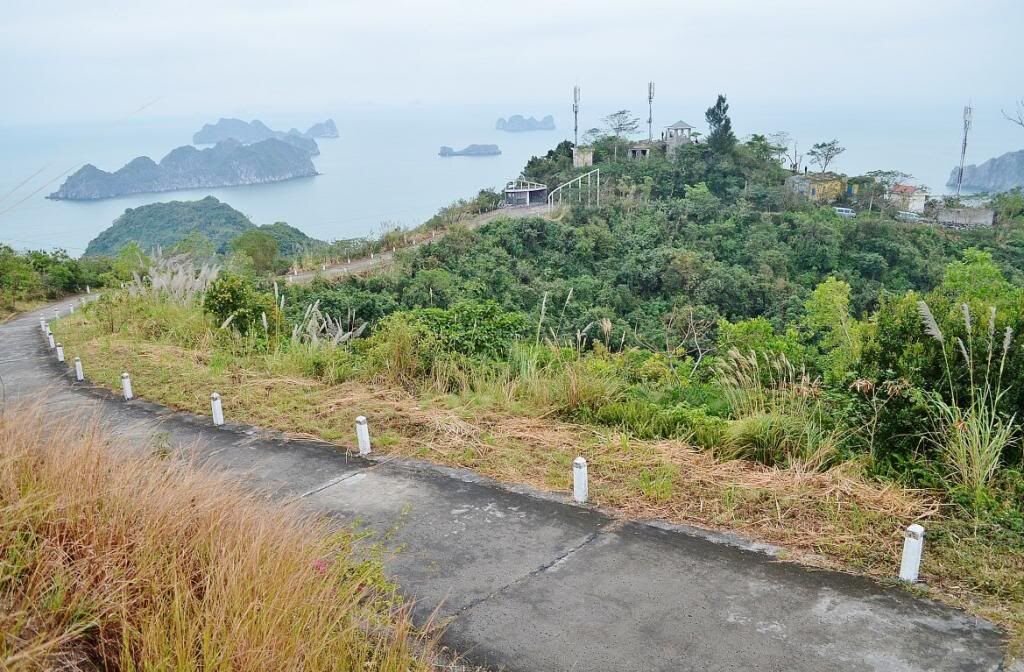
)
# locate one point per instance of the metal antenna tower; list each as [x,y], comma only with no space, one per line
[576,115]
[968,118]
[650,111]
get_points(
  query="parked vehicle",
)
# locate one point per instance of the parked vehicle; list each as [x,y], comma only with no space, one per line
[908,216]
[845,212]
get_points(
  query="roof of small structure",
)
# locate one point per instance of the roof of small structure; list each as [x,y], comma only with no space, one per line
[680,125]
[520,184]
[907,189]
[818,177]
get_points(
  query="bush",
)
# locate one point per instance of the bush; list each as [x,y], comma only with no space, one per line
[233,300]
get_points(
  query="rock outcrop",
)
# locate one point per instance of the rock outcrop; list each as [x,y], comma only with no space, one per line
[999,174]
[517,123]
[227,164]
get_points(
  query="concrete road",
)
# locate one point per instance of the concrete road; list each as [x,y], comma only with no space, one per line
[384,259]
[531,582]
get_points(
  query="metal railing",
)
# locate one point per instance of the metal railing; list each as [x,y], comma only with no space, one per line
[588,183]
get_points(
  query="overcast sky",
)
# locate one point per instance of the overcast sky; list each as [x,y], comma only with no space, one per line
[72,60]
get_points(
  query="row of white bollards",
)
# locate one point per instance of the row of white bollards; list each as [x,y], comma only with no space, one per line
[913,542]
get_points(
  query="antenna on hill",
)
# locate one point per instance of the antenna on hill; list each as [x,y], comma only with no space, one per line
[650,111]
[576,115]
[968,118]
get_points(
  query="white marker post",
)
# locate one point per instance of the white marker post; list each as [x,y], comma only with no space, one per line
[126,386]
[42,324]
[87,290]
[79,374]
[218,409]
[56,313]
[579,480]
[49,339]
[913,545]
[71,309]
[60,352]
[363,435]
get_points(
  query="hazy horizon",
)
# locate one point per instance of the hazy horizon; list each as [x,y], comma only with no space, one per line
[64,61]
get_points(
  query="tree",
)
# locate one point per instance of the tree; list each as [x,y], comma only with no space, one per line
[823,153]
[1017,116]
[781,141]
[259,246]
[621,123]
[721,139]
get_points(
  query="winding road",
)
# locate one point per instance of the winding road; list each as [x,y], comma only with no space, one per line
[529,581]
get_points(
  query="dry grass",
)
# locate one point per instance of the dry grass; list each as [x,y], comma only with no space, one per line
[834,518]
[146,563]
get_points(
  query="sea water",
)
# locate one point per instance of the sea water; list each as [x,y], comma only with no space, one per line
[384,170]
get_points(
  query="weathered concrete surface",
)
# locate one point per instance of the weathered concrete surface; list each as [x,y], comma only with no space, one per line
[534,583]
[384,259]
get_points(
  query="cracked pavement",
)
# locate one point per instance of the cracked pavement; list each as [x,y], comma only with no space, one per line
[528,581]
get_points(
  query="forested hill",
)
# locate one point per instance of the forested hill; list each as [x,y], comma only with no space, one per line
[165,225]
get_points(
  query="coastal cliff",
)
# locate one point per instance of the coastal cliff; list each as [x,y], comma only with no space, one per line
[999,174]
[227,164]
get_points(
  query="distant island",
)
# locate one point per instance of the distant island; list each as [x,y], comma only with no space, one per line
[227,164]
[517,123]
[471,150]
[255,131]
[249,132]
[165,225]
[999,174]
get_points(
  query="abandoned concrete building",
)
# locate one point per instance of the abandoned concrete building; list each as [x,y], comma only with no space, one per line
[672,138]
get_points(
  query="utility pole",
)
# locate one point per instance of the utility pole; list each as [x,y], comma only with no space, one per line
[650,111]
[576,115]
[968,117]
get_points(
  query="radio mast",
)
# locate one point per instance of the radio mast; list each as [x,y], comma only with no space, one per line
[968,116]
[650,111]
[576,115]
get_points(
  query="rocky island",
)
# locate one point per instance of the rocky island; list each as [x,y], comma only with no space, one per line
[517,123]
[999,174]
[471,150]
[256,131]
[227,164]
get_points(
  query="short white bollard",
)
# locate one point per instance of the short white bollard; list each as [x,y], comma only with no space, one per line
[218,409]
[49,339]
[79,374]
[913,544]
[71,309]
[363,435]
[87,290]
[126,386]
[42,324]
[579,480]
[56,313]
[60,352]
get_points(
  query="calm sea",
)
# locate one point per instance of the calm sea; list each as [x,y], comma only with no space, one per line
[385,169]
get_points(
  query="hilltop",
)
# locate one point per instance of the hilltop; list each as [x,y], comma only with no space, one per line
[227,164]
[166,224]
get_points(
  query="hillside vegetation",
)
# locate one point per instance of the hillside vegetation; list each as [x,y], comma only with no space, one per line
[720,353]
[207,222]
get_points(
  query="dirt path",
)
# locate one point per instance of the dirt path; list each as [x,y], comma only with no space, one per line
[529,581]
[384,258]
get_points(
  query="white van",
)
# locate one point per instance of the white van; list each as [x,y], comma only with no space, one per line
[908,216]
[845,212]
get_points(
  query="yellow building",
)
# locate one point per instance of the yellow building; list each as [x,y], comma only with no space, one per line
[817,187]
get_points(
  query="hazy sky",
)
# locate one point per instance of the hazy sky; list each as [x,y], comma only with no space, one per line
[71,60]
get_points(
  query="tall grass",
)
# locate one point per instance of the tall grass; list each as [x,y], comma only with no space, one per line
[778,412]
[971,433]
[124,562]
